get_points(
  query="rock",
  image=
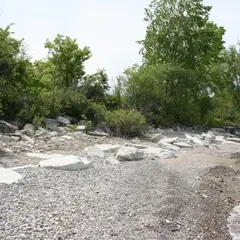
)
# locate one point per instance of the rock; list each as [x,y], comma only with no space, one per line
[51,124]
[28,139]
[183,145]
[236,140]
[28,129]
[52,134]
[140,146]
[76,134]
[112,160]
[61,130]
[219,139]
[6,127]
[42,155]
[8,176]
[167,143]
[67,137]
[41,132]
[108,148]
[157,137]
[5,138]
[153,153]
[168,140]
[71,119]
[99,134]
[168,146]
[94,151]
[129,154]
[80,128]
[173,134]
[194,140]
[63,121]
[136,140]
[69,162]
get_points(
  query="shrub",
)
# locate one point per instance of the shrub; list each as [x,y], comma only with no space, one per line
[125,122]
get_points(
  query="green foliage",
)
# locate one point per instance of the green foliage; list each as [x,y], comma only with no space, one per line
[187,77]
[125,122]
[67,60]
[180,32]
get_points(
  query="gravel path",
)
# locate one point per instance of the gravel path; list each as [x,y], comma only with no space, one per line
[184,198]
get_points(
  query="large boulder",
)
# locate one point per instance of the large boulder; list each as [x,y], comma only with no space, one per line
[63,121]
[130,154]
[51,124]
[6,127]
[69,163]
[9,176]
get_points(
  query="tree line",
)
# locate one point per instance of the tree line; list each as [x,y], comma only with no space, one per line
[187,76]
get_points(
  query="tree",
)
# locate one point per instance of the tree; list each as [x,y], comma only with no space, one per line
[68,60]
[14,78]
[180,32]
[94,86]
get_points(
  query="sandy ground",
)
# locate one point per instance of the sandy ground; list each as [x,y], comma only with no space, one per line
[189,197]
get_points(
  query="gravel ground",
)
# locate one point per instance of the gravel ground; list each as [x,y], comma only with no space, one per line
[184,198]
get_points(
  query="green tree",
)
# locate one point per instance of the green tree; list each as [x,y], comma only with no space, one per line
[179,31]
[67,60]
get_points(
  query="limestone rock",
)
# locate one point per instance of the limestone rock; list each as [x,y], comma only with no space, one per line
[69,162]
[108,148]
[63,121]
[129,154]
[9,176]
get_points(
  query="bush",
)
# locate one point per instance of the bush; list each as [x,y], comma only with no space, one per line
[125,122]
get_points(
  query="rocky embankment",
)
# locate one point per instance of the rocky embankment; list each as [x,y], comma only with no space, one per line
[58,182]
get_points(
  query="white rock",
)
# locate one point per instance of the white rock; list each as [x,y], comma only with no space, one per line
[28,139]
[67,137]
[69,162]
[157,138]
[168,146]
[168,140]
[183,145]
[43,156]
[236,140]
[112,160]
[108,148]
[94,151]
[153,152]
[195,140]
[219,139]
[129,154]
[8,176]
[140,146]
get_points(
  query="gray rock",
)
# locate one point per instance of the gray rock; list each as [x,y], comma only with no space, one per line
[94,151]
[6,127]
[68,163]
[51,124]
[157,138]
[129,154]
[28,129]
[61,130]
[183,145]
[63,121]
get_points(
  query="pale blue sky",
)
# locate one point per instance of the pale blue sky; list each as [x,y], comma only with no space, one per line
[110,28]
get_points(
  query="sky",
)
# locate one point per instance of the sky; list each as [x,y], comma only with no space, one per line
[109,27]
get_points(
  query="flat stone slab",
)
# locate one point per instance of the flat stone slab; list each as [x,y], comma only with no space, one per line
[69,162]
[43,156]
[9,176]
[108,148]
[183,145]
